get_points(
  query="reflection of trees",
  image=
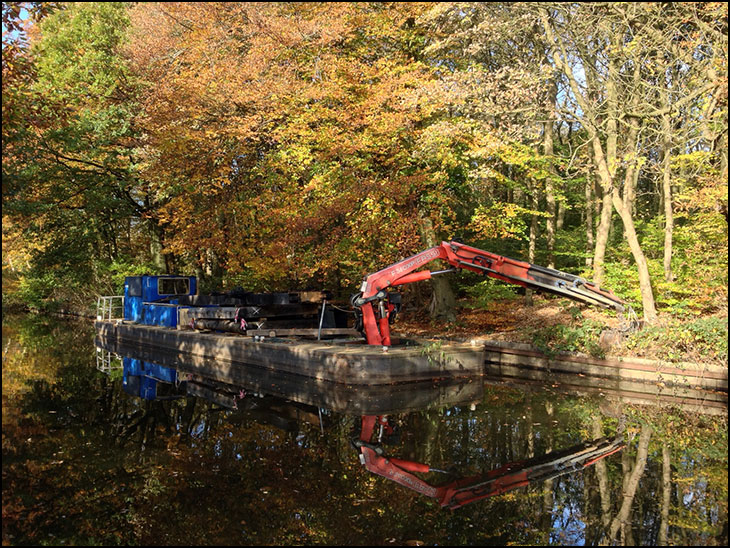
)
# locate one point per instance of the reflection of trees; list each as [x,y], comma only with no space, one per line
[548,497]
[632,474]
[666,494]
[602,476]
[632,498]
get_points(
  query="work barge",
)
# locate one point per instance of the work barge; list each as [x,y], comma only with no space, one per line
[297,333]
[302,335]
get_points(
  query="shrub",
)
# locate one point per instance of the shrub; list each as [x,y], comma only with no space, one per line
[703,339]
[583,336]
[487,291]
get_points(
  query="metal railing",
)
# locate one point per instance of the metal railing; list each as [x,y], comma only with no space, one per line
[110,307]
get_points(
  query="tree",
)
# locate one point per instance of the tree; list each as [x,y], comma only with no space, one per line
[276,145]
[68,169]
[302,128]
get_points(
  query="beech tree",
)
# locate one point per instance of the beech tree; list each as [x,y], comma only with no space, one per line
[612,96]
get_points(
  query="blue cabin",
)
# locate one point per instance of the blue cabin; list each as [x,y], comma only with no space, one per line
[153,300]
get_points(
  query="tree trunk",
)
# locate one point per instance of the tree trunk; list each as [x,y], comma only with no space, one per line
[534,205]
[647,294]
[443,301]
[633,169]
[602,232]
[158,258]
[589,218]
[605,163]
[667,192]
[560,220]
[668,217]
[549,151]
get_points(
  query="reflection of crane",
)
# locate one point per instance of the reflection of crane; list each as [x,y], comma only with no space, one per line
[376,319]
[471,489]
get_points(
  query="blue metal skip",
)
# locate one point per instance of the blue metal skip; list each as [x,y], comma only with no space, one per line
[140,378]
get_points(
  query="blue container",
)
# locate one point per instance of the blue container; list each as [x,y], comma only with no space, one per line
[163,315]
[148,388]
[160,373]
[140,291]
[132,366]
[132,376]
[133,298]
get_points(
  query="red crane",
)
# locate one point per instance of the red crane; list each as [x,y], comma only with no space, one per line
[378,307]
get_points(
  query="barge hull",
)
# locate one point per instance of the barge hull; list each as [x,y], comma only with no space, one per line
[353,364]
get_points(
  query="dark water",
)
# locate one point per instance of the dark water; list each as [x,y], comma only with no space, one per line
[273,461]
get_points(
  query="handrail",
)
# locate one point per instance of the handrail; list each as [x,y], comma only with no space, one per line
[107,307]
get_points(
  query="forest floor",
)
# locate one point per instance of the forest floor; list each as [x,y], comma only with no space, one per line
[504,320]
[551,324]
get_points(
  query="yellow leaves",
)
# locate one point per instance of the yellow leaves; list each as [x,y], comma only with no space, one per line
[443,144]
[298,155]
[502,220]
[312,112]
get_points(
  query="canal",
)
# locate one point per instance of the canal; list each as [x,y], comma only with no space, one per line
[136,450]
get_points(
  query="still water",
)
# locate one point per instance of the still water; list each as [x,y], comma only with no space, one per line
[102,449]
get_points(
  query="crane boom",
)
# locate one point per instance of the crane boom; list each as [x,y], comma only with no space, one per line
[460,256]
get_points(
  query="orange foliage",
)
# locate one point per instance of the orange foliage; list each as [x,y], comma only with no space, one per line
[280,135]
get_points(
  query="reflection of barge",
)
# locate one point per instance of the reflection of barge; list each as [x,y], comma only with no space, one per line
[285,404]
[151,374]
[296,333]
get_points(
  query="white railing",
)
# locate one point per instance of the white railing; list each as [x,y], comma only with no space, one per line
[110,307]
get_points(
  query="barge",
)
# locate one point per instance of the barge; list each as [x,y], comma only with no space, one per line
[296,333]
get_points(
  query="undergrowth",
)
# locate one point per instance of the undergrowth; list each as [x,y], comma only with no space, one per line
[699,340]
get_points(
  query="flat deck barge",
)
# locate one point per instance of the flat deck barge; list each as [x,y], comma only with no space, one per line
[349,362]
[300,335]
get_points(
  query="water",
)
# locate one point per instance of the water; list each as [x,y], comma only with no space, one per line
[273,462]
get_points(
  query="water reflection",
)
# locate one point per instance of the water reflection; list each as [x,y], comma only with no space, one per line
[151,381]
[214,379]
[243,459]
[460,491]
[386,415]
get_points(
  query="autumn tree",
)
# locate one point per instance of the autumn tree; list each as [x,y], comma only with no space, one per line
[614,63]
[289,141]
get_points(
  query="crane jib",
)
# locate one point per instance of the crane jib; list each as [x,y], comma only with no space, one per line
[577,290]
[377,309]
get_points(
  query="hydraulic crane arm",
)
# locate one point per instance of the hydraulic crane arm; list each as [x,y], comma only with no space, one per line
[460,256]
